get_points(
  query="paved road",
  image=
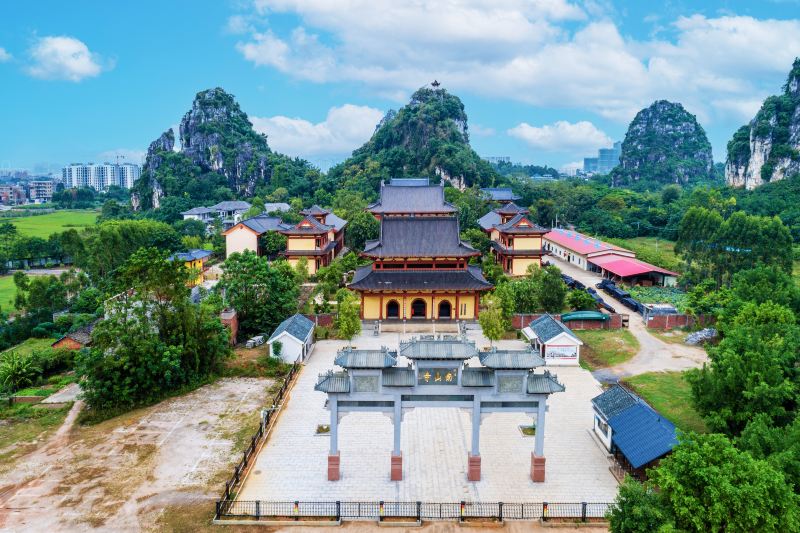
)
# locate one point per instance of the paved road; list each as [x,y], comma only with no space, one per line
[654,355]
[42,271]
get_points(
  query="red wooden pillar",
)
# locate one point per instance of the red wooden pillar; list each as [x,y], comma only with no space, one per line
[380,313]
[458,306]
[477,297]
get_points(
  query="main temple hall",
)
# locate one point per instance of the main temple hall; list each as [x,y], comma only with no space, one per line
[420,267]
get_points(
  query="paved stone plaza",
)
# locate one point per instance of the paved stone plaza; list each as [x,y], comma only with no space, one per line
[435,443]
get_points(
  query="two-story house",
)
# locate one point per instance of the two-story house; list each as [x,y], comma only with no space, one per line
[318,238]
[516,241]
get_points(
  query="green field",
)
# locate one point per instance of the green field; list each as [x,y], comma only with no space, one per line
[603,348]
[652,250]
[7,293]
[669,394]
[45,225]
[31,345]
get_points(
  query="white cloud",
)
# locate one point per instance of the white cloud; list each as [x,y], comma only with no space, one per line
[562,136]
[63,58]
[545,53]
[344,129]
[481,131]
[4,55]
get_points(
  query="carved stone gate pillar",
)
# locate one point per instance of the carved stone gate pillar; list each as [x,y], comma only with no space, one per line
[396,471]
[474,458]
[333,456]
[537,457]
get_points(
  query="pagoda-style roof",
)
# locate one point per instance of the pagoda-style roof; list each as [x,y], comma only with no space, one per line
[368,279]
[438,348]
[314,210]
[546,383]
[311,226]
[434,237]
[511,359]
[510,209]
[333,382]
[402,199]
[520,224]
[350,358]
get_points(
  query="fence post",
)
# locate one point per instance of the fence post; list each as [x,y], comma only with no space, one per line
[463,511]
[500,511]
[380,511]
[296,510]
[419,511]
[258,509]
[583,511]
[338,511]
[544,511]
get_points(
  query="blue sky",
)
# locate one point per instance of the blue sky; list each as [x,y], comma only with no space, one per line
[546,81]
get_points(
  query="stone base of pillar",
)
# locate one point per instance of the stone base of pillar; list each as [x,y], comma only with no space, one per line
[397,467]
[473,467]
[537,468]
[333,467]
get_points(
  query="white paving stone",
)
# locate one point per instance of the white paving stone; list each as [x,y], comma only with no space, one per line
[435,442]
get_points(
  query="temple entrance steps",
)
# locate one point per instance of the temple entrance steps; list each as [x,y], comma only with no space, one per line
[414,326]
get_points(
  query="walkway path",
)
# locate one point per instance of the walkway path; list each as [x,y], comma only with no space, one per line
[654,355]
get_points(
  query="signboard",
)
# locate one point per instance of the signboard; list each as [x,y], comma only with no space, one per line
[437,376]
[561,353]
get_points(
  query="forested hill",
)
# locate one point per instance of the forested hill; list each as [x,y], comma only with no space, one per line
[221,158]
[664,144]
[768,148]
[428,137]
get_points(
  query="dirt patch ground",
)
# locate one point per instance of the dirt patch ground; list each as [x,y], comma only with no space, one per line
[123,473]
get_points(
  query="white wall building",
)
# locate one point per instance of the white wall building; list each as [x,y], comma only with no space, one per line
[296,335]
[100,176]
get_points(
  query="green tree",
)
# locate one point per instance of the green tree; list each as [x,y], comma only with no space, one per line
[550,289]
[491,318]
[361,227]
[638,508]
[580,300]
[263,293]
[709,485]
[348,322]
[272,243]
[779,446]
[17,371]
[753,370]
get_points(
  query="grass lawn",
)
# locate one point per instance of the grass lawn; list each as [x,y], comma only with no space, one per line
[606,347]
[669,394]
[45,225]
[652,250]
[7,293]
[31,345]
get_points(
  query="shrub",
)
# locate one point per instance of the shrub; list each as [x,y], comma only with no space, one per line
[18,371]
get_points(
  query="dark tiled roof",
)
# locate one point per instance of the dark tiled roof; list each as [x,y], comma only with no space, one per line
[546,383]
[312,227]
[191,255]
[82,335]
[198,211]
[469,279]
[314,210]
[438,349]
[276,206]
[407,200]
[477,377]
[231,205]
[511,359]
[511,209]
[264,223]
[500,194]
[613,401]
[546,327]
[336,222]
[419,237]
[642,434]
[409,182]
[333,382]
[398,377]
[512,226]
[489,220]
[349,358]
[296,325]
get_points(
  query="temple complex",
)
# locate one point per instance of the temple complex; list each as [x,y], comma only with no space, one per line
[516,241]
[420,267]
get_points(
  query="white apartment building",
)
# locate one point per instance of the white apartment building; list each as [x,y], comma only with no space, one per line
[100,176]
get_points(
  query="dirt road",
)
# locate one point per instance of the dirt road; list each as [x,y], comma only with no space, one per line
[654,355]
[121,474]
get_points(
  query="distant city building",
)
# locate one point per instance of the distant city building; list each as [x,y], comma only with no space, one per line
[100,176]
[606,160]
[12,195]
[40,191]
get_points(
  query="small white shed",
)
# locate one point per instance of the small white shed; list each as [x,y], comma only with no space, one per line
[296,335]
[556,343]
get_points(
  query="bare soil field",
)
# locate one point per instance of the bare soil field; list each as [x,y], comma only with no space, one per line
[143,471]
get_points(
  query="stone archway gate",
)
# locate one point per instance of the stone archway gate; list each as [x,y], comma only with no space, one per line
[438,376]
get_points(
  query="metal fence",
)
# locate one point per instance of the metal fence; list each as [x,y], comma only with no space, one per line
[266,419]
[460,511]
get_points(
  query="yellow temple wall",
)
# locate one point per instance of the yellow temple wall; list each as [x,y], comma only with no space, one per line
[519,265]
[293,243]
[527,243]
